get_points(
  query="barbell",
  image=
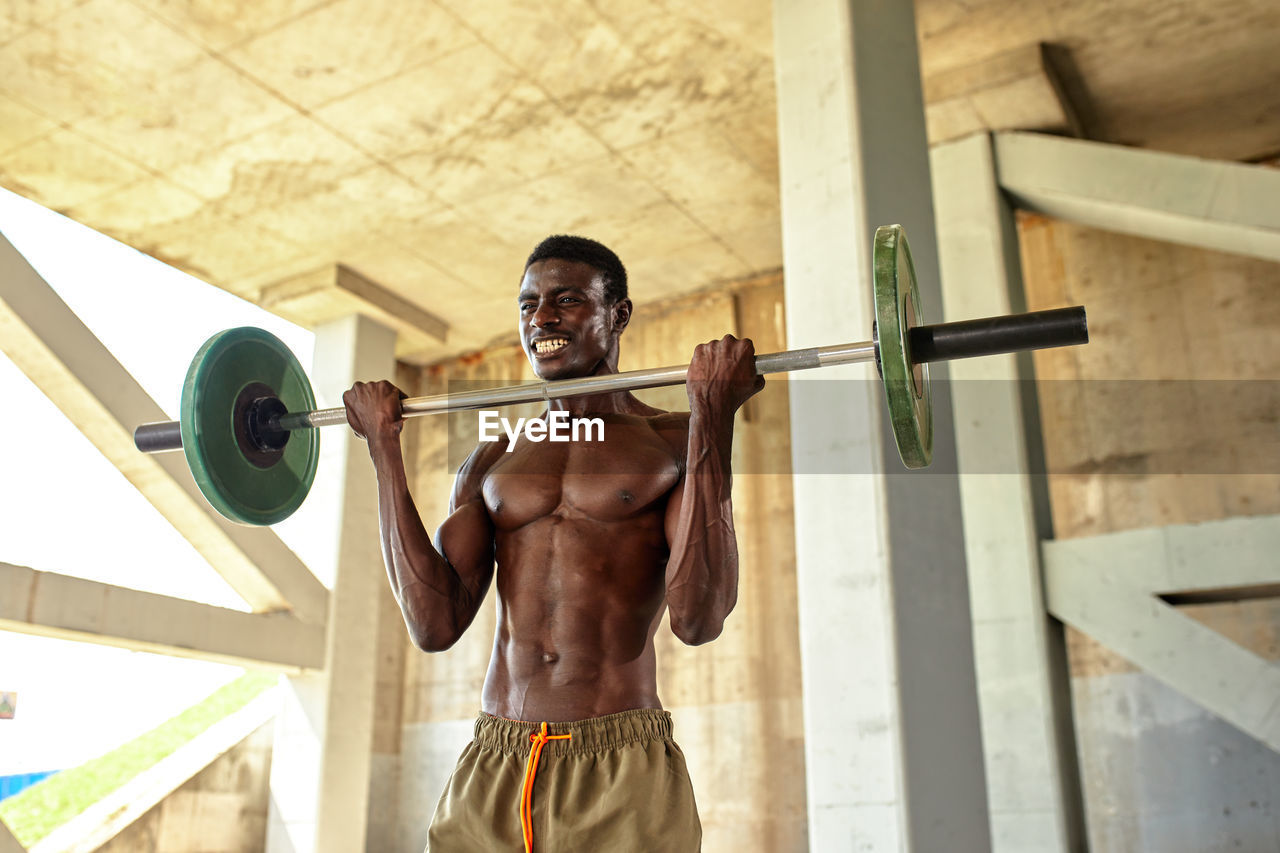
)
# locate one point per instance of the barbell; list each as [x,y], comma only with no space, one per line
[247,419]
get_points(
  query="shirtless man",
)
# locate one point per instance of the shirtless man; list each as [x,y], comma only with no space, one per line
[592,541]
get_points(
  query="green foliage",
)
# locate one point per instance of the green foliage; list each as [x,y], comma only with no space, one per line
[42,808]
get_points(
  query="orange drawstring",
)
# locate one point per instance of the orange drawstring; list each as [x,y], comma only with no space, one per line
[539,740]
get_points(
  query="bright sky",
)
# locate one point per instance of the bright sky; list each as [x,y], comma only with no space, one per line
[64,508]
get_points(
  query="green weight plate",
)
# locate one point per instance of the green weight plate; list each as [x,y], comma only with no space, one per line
[236,482]
[906,386]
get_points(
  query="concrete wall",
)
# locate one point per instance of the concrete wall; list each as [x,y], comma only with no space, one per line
[1168,416]
[222,809]
[736,701]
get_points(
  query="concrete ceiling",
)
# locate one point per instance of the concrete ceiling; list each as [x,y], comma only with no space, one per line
[275,148]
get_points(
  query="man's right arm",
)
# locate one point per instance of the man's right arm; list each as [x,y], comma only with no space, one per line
[439,586]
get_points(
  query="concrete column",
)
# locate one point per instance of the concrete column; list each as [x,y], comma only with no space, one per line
[892,739]
[320,768]
[1024,692]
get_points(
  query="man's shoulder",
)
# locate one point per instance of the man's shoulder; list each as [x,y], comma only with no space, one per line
[472,471]
[485,454]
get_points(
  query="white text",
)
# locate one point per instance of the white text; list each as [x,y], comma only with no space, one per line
[558,426]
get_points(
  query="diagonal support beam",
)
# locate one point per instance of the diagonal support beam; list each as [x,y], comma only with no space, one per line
[49,604]
[48,343]
[1109,587]
[1212,204]
[105,820]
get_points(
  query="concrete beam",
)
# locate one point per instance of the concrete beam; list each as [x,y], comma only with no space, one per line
[1019,89]
[49,343]
[1023,688]
[1212,204]
[49,604]
[1109,587]
[332,292]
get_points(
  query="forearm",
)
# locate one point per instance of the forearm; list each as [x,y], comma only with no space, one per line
[702,570]
[430,591]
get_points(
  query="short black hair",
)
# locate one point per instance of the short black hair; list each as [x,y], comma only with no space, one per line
[566,247]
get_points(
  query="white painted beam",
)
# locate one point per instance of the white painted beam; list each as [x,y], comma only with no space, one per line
[1108,587]
[1212,204]
[49,343]
[323,753]
[1233,552]
[1024,694]
[893,755]
[49,604]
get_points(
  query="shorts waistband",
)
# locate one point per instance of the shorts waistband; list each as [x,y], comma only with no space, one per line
[594,735]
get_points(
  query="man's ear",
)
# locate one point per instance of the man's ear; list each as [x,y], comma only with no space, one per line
[621,314]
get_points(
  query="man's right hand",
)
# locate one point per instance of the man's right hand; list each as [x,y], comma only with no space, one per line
[722,375]
[373,409]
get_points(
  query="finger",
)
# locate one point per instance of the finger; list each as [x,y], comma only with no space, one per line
[353,420]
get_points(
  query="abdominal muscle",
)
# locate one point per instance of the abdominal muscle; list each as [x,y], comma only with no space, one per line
[579,601]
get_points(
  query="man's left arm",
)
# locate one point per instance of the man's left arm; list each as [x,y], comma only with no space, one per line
[702,568]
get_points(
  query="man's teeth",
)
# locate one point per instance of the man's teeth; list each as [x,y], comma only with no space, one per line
[550,345]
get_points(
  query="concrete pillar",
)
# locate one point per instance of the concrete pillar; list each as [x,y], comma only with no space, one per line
[322,759]
[1024,692]
[892,740]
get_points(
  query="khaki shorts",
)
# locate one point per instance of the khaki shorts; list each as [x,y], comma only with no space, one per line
[615,783]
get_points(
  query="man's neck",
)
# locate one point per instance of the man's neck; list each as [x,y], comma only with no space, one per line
[612,403]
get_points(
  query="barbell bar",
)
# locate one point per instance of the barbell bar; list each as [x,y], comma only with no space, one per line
[246,396]
[941,342]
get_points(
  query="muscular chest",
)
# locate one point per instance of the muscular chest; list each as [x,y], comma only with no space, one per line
[625,474]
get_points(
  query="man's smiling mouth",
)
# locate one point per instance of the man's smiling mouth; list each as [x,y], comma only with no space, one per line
[546,346]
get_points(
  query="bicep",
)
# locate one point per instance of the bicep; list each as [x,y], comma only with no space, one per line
[678,440]
[465,540]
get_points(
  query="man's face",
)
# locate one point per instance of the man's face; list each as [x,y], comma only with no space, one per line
[567,327]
